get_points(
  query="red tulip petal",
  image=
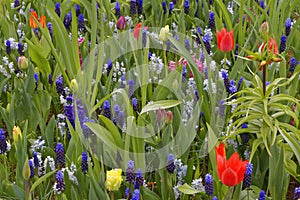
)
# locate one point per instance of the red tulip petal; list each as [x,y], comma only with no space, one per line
[136,31]
[232,38]
[221,161]
[219,38]
[234,162]
[242,171]
[220,150]
[229,177]
[226,43]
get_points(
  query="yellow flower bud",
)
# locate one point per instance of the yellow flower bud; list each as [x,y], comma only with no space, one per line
[8,107]
[113,179]
[73,85]
[16,132]
[163,35]
[22,62]
[36,70]
[26,170]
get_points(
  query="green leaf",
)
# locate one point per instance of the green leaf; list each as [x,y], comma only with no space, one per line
[186,189]
[163,104]
[40,180]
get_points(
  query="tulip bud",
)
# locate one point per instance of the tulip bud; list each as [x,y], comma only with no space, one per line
[73,85]
[262,63]
[276,59]
[169,117]
[8,107]
[163,35]
[121,23]
[36,70]
[26,170]
[264,28]
[251,57]
[16,132]
[22,62]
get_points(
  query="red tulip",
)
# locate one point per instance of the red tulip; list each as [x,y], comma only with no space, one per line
[137,29]
[272,46]
[225,40]
[231,171]
[32,23]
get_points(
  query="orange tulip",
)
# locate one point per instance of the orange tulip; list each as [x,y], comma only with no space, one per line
[225,40]
[43,21]
[32,23]
[231,171]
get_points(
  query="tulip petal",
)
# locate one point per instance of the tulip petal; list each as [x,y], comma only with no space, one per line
[227,43]
[229,177]
[136,31]
[242,170]
[221,162]
[220,150]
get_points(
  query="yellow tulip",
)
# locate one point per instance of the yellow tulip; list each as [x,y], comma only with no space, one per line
[163,35]
[16,132]
[113,179]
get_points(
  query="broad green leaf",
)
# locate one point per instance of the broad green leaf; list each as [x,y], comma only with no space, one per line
[186,189]
[163,104]
[40,180]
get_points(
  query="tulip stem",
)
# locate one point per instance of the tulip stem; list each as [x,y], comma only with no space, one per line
[165,58]
[229,193]
[112,196]
[264,79]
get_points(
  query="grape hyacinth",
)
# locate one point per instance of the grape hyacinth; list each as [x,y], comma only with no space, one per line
[77,9]
[262,195]
[248,176]
[36,160]
[164,7]
[206,41]
[140,7]
[139,179]
[36,78]
[50,28]
[136,194]
[187,44]
[3,143]
[236,51]
[122,81]
[132,7]
[109,67]
[84,162]
[186,7]
[69,110]
[245,136]
[60,85]
[60,155]
[16,3]
[20,49]
[81,26]
[68,20]
[282,44]
[211,2]
[8,46]
[171,7]
[209,185]
[211,21]
[116,119]
[293,64]
[214,198]
[59,185]
[288,25]
[130,172]
[297,193]
[262,4]
[226,81]
[171,165]
[57,8]
[127,192]
[134,102]
[130,88]
[184,73]
[240,82]
[232,87]
[106,109]
[144,37]
[31,168]
[117,10]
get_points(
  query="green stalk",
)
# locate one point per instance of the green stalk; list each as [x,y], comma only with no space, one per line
[229,193]
[264,79]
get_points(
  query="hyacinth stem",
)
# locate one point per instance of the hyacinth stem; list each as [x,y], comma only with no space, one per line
[229,192]
[264,79]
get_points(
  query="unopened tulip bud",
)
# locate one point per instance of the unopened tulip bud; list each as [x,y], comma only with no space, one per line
[26,170]
[262,63]
[251,57]
[276,59]
[22,62]
[16,132]
[121,23]
[73,85]
[8,107]
[264,28]
[169,117]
